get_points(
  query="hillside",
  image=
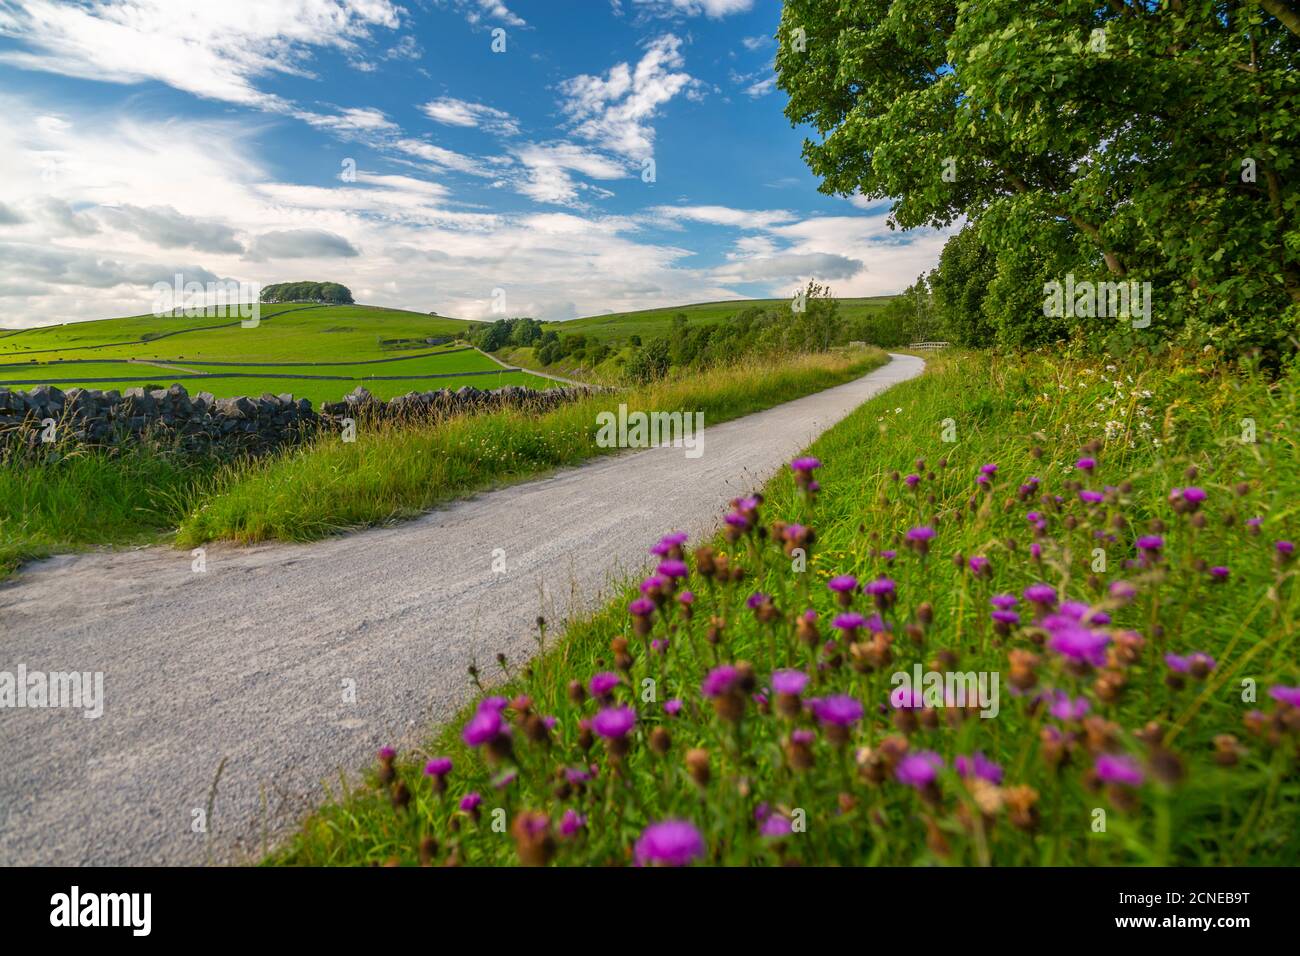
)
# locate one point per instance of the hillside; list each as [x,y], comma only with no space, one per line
[318,352]
[647,323]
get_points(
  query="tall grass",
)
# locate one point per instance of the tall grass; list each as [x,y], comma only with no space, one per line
[392,472]
[145,491]
[1149,762]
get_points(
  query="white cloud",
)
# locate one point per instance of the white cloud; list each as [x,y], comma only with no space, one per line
[726,216]
[692,8]
[213,50]
[351,121]
[453,112]
[479,11]
[548,167]
[614,111]
[301,244]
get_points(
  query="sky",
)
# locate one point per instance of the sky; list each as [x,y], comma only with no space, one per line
[477,158]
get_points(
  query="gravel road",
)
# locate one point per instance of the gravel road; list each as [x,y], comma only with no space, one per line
[252,660]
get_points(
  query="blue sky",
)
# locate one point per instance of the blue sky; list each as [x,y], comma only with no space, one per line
[391,147]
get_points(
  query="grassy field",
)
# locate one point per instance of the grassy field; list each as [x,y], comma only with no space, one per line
[1148,709]
[145,493]
[651,323]
[315,352]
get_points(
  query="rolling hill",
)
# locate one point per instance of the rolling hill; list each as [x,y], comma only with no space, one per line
[319,352]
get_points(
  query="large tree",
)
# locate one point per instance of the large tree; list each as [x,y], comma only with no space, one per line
[1156,141]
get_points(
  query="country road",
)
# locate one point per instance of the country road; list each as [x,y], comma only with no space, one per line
[252,660]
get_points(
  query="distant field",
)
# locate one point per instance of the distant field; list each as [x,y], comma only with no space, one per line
[619,326]
[314,352]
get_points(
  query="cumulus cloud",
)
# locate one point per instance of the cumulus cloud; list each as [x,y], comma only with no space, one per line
[301,244]
[213,50]
[724,216]
[485,11]
[548,167]
[613,111]
[164,226]
[453,112]
[822,265]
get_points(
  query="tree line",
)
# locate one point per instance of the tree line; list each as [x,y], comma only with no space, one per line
[1099,141]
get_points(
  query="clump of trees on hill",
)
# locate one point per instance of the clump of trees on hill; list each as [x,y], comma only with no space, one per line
[1120,141]
[330,293]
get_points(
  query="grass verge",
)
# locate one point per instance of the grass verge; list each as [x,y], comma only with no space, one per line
[1147,713]
[147,493]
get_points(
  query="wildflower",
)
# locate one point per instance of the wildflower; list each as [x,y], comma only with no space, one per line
[641,609]
[1197,664]
[687,600]
[1003,602]
[1077,643]
[979,566]
[1086,464]
[721,680]
[1122,591]
[614,723]
[571,823]
[1065,708]
[1042,596]
[673,707]
[602,685]
[919,539]
[1150,546]
[843,585]
[789,682]
[672,569]
[386,772]
[1284,550]
[669,843]
[979,767]
[882,591]
[1118,769]
[533,839]
[919,770]
[912,481]
[805,465]
[670,545]
[486,727]
[798,749]
[1286,695]
[470,804]
[504,779]
[775,827]
[1186,500]
[1091,497]
[837,714]
[1219,573]
[850,623]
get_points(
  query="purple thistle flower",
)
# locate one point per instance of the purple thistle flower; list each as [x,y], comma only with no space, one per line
[803,737]
[614,722]
[850,621]
[571,822]
[603,683]
[1150,543]
[673,707]
[842,583]
[720,681]
[1005,617]
[668,543]
[1091,497]
[789,682]
[736,520]
[807,465]
[1065,708]
[504,779]
[672,569]
[912,481]
[775,827]
[669,843]
[1076,642]
[989,469]
[484,726]
[686,597]
[438,767]
[978,564]
[1286,695]
[470,802]
[641,607]
[1219,573]
[1086,464]
[977,765]
[921,533]
[1003,602]
[839,710]
[387,754]
[1284,548]
[1043,595]
[757,600]
[1118,768]
[919,770]
[1122,591]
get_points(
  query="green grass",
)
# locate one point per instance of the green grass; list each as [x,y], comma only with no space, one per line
[390,473]
[1030,416]
[353,345]
[144,493]
[652,323]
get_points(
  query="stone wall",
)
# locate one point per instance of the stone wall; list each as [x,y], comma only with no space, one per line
[88,417]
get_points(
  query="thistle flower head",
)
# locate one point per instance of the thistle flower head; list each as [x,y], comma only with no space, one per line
[669,843]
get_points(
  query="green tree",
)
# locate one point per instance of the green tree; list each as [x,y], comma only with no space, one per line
[1162,138]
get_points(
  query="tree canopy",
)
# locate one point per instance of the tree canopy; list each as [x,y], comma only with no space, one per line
[329,292]
[1113,140]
